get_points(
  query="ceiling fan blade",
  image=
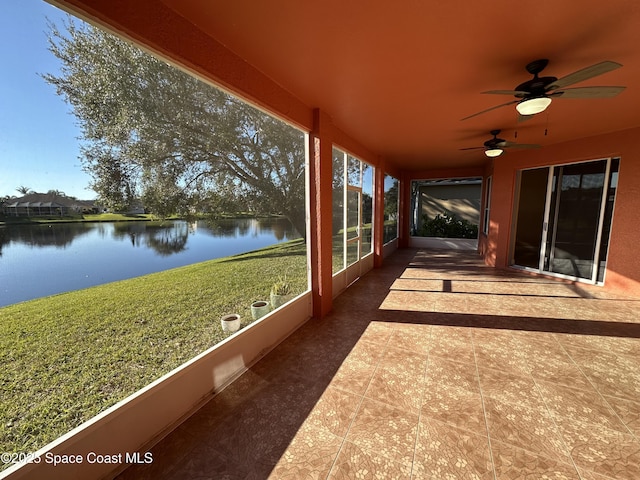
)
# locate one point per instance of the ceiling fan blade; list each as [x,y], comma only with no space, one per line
[584,74]
[506,92]
[588,92]
[473,148]
[489,109]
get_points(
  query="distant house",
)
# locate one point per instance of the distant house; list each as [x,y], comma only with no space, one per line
[47,204]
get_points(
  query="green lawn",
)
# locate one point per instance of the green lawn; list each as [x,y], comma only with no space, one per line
[67,357]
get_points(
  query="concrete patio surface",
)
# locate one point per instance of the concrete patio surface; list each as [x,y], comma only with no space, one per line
[432,367]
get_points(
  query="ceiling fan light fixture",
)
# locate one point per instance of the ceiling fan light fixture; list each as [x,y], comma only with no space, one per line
[531,106]
[493,152]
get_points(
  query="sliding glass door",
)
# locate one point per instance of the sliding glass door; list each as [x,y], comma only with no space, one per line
[563,219]
[574,218]
[530,217]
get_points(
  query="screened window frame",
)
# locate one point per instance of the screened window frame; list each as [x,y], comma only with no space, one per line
[487,205]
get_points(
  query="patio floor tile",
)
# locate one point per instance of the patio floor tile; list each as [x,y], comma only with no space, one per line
[443,451]
[602,450]
[434,366]
[455,406]
[526,427]
[515,463]
[389,431]
[354,462]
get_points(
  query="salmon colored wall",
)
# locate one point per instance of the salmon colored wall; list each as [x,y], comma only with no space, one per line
[486,249]
[623,263]
[321,211]
[446,173]
[378,209]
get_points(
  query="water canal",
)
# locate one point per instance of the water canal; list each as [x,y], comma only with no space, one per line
[41,260]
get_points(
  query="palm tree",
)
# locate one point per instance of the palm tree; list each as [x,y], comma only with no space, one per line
[24,190]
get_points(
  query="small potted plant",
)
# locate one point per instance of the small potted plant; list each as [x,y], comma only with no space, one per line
[259,309]
[280,292]
[230,323]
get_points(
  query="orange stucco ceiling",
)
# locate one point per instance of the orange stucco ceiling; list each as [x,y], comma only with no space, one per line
[398,76]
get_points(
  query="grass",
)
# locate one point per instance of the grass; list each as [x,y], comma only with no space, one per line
[70,356]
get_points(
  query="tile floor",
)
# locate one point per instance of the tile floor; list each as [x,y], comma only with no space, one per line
[433,367]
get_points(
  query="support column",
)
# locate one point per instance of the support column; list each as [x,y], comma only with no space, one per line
[321,212]
[378,215]
[404,209]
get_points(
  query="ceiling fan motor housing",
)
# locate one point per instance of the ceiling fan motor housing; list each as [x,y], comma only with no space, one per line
[535,87]
[495,141]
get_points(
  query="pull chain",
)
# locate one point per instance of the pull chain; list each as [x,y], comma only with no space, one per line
[547,125]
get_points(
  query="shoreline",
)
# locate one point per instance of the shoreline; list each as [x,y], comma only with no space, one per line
[117,217]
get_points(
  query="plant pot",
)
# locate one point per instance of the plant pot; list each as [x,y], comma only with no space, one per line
[230,323]
[277,300]
[259,309]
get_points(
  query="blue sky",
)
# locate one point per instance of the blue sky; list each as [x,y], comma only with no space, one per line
[38,132]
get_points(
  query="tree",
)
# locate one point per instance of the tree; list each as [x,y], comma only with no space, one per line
[23,190]
[59,193]
[391,201]
[151,131]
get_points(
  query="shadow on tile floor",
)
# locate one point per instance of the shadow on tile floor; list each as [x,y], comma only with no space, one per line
[434,366]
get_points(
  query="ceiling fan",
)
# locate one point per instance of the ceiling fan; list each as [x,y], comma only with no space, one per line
[534,96]
[495,146]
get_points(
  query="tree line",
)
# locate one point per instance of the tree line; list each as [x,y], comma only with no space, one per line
[151,132]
